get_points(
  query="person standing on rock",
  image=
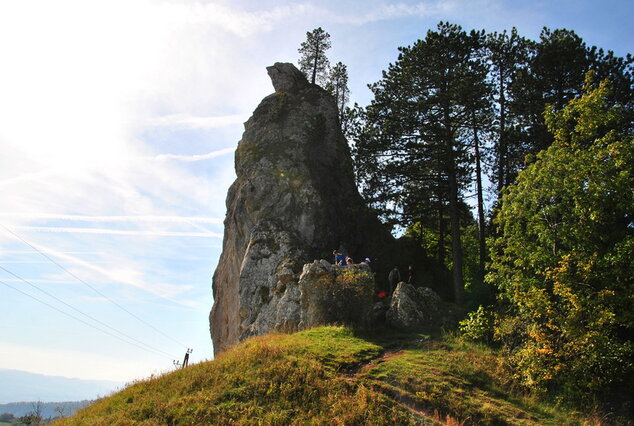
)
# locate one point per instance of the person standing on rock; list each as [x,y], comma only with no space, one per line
[340,260]
[394,278]
[410,278]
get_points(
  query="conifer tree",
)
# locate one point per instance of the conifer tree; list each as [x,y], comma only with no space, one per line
[508,54]
[313,61]
[337,85]
[419,129]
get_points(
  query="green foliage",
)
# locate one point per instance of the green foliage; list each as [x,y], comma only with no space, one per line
[413,155]
[337,85]
[563,258]
[478,326]
[313,61]
[351,279]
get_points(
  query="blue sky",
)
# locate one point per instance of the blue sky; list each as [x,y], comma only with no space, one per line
[118,121]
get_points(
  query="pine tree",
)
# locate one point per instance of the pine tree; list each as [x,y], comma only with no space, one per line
[313,61]
[416,143]
[508,55]
[337,85]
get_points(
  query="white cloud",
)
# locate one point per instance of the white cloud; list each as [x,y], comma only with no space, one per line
[107,231]
[197,122]
[198,157]
[82,218]
[384,12]
[123,272]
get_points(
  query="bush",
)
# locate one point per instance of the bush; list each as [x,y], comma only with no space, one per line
[478,326]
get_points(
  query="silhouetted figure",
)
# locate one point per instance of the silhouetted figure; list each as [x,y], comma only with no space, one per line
[410,277]
[394,278]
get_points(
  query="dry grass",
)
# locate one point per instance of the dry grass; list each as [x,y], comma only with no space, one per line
[326,375]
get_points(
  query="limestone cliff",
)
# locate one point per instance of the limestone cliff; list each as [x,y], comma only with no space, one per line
[294,201]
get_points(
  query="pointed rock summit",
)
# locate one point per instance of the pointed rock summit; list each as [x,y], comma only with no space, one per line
[294,201]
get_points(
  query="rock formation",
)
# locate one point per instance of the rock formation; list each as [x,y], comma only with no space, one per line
[294,201]
[334,294]
[420,309]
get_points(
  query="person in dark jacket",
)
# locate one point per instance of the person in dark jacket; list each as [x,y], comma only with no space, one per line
[394,278]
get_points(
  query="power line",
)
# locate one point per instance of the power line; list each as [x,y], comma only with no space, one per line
[78,319]
[91,287]
[83,313]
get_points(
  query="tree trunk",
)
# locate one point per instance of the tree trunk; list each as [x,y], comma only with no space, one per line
[502,143]
[441,224]
[481,236]
[454,216]
[456,244]
[315,67]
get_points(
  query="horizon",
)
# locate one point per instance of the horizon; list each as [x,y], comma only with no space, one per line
[119,124]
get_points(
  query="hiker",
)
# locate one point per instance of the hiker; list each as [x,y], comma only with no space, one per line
[349,261]
[410,278]
[366,261]
[340,260]
[394,278]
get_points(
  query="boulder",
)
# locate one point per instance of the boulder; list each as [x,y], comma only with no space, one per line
[335,295]
[415,309]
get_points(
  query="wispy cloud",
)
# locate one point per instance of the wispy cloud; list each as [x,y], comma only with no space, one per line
[40,281]
[383,12]
[191,158]
[197,122]
[239,22]
[104,231]
[130,218]
[37,262]
[121,274]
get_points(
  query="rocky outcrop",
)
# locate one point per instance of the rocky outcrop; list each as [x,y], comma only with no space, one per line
[415,309]
[294,200]
[335,295]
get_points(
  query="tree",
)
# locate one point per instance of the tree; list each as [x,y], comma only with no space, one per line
[337,85]
[313,61]
[553,76]
[562,261]
[414,151]
[6,418]
[508,54]
[35,416]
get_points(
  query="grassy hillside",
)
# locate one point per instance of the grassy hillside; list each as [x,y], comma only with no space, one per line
[329,375]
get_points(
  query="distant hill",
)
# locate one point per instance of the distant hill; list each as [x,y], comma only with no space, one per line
[19,409]
[330,375]
[18,386]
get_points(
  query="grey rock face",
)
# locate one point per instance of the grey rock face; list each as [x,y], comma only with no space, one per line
[285,77]
[294,200]
[414,309]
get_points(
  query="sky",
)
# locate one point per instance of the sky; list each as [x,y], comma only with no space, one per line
[118,123]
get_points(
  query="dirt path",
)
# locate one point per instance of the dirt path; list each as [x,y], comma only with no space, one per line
[424,415]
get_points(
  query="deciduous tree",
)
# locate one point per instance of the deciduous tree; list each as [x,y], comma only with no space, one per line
[563,258]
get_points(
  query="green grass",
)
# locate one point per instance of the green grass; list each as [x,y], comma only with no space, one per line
[329,375]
